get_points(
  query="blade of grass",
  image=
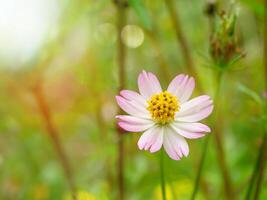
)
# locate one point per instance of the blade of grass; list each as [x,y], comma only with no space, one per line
[54,136]
[228,188]
[182,41]
[262,162]
[121,53]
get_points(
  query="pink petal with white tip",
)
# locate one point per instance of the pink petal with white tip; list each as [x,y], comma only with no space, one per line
[170,150]
[175,145]
[195,110]
[134,120]
[134,127]
[174,84]
[134,124]
[148,84]
[132,109]
[197,116]
[182,86]
[134,97]
[187,90]
[152,139]
[155,82]
[190,130]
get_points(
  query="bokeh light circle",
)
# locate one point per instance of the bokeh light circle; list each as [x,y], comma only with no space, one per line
[132,36]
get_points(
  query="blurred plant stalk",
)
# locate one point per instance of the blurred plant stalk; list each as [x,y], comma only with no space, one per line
[210,11]
[182,41]
[228,187]
[151,31]
[224,51]
[229,192]
[121,6]
[164,69]
[54,135]
[258,173]
[162,175]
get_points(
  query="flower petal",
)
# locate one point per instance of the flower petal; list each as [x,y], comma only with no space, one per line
[134,97]
[187,90]
[134,120]
[134,127]
[145,137]
[194,110]
[182,86]
[175,83]
[154,82]
[175,145]
[170,150]
[158,142]
[132,109]
[190,130]
[134,124]
[151,139]
[148,84]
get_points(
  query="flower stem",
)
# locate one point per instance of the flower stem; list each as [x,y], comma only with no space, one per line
[180,35]
[257,172]
[206,142]
[228,190]
[121,19]
[53,133]
[259,168]
[181,39]
[200,168]
[162,176]
[164,70]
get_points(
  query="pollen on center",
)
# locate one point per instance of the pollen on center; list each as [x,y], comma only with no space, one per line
[163,106]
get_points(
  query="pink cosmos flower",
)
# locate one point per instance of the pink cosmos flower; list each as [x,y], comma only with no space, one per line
[166,117]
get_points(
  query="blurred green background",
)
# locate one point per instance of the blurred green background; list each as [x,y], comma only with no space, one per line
[70,49]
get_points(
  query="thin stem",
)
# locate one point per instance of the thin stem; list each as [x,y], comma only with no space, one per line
[206,142]
[161,60]
[210,11]
[181,39]
[265,45]
[257,172]
[253,176]
[228,189]
[180,35]
[262,161]
[121,19]
[103,129]
[261,166]
[200,168]
[162,176]
[54,136]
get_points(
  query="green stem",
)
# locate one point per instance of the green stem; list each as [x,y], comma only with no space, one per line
[162,177]
[121,59]
[261,167]
[262,153]
[54,136]
[228,189]
[200,168]
[182,41]
[164,70]
[180,36]
[206,142]
[257,167]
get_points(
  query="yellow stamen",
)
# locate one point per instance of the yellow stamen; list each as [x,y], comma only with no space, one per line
[163,106]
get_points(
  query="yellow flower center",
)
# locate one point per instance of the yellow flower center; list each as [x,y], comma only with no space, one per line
[163,106]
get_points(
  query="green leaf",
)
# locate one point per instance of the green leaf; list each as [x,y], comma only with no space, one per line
[141,12]
[250,93]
